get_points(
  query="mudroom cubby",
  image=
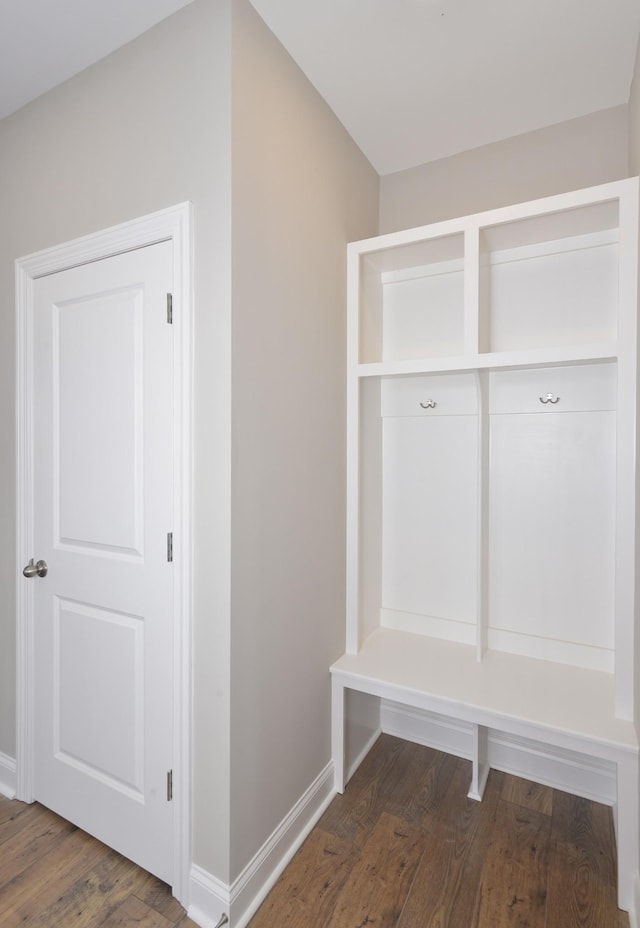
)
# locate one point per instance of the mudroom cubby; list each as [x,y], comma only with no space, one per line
[491,495]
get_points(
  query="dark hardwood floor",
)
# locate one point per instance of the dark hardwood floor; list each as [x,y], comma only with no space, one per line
[52,875]
[404,848]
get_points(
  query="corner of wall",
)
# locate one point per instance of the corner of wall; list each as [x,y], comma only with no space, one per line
[211,899]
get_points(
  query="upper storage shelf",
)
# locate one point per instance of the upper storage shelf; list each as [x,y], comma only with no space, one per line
[412,301]
[538,280]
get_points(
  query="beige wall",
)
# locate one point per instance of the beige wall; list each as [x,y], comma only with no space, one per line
[145,128]
[568,156]
[301,190]
[634,120]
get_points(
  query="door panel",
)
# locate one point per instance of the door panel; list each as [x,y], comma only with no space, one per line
[102,495]
[97,354]
[98,729]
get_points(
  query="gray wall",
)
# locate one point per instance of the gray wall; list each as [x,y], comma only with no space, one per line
[301,191]
[567,156]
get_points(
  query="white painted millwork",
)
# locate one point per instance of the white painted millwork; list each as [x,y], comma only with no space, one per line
[492,481]
[103,506]
[102,480]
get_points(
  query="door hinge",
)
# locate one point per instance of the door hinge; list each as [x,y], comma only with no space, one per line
[170,308]
[169,546]
[169,785]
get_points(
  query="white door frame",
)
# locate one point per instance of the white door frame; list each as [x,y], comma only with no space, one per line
[173,224]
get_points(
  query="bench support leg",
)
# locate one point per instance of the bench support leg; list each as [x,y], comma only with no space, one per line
[480,764]
[337,733]
[626,817]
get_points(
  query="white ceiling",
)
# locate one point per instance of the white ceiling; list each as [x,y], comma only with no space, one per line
[416,80]
[412,80]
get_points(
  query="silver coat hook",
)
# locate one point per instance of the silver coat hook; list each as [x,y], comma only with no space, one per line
[430,404]
[549,398]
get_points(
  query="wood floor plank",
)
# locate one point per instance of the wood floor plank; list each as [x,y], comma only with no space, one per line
[527,794]
[52,874]
[133,912]
[33,841]
[578,898]
[10,809]
[378,885]
[512,892]
[432,786]
[589,826]
[444,893]
[352,815]
[91,898]
[305,895]
[397,788]
[157,895]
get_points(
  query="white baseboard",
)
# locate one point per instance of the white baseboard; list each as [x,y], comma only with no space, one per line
[210,898]
[434,731]
[634,914]
[7,776]
[565,770]
[568,771]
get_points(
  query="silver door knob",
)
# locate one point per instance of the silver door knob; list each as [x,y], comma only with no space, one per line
[35,570]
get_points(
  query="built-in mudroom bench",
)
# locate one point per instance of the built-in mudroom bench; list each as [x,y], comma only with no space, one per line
[492,483]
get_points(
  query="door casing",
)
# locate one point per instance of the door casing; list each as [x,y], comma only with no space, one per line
[174,224]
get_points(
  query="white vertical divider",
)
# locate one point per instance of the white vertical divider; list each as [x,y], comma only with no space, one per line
[482,581]
[472,332]
[474,342]
[480,762]
[626,478]
[353,453]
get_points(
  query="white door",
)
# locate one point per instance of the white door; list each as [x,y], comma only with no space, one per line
[102,504]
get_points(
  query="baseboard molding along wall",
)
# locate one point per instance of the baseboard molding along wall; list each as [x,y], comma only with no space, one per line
[210,898]
[565,770]
[7,776]
[634,914]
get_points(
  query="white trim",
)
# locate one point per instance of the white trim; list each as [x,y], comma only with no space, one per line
[550,765]
[7,776]
[580,774]
[210,898]
[433,731]
[634,912]
[174,224]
